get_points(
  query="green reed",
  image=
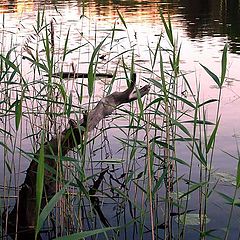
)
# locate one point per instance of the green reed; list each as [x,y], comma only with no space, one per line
[145,182]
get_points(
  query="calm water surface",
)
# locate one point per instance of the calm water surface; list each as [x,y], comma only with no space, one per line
[202,27]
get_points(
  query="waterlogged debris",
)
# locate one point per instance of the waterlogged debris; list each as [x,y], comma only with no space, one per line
[95,200]
[236,135]
[71,137]
[80,75]
[111,161]
[192,219]
[141,61]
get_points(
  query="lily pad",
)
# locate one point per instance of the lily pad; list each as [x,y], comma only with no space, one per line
[191,219]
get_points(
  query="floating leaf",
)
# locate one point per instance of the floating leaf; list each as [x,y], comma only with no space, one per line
[192,219]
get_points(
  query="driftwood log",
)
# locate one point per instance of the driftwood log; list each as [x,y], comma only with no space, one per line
[79,75]
[21,220]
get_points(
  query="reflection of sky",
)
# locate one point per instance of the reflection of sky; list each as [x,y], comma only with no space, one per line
[144,28]
[18,7]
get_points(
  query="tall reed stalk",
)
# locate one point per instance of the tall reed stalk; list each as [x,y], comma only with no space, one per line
[129,177]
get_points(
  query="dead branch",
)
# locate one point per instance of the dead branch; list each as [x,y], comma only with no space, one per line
[25,209]
[79,75]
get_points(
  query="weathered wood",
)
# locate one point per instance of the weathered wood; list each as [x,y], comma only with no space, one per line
[25,211]
[79,75]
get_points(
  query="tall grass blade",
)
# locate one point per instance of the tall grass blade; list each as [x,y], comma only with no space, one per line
[68,112]
[238,171]
[155,53]
[212,75]
[193,188]
[92,69]
[122,19]
[159,182]
[167,27]
[224,63]
[238,175]
[5,146]
[207,102]
[18,112]
[65,45]
[81,235]
[39,184]
[212,137]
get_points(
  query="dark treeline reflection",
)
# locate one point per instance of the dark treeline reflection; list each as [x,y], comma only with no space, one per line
[212,18]
[199,18]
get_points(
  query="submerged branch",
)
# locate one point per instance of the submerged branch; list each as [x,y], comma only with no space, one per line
[25,209]
[79,75]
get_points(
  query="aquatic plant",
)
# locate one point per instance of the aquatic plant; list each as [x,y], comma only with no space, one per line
[144,189]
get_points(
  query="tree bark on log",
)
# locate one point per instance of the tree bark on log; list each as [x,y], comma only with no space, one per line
[24,213]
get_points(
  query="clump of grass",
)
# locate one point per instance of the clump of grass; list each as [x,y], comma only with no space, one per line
[149,185]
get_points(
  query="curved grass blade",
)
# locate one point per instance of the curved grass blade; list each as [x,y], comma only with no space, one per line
[159,182]
[212,75]
[238,171]
[212,137]
[68,112]
[224,63]
[122,19]
[92,69]
[39,185]
[81,235]
[181,126]
[5,146]
[18,112]
[207,102]
[167,27]
[193,188]
[238,175]
[65,45]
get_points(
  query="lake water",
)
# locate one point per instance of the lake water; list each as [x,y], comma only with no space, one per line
[203,27]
